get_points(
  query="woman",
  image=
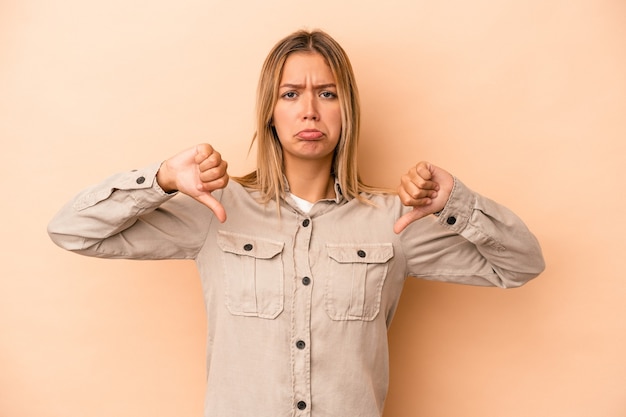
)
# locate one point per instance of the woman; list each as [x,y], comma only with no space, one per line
[302,280]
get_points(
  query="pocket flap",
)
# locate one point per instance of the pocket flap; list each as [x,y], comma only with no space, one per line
[248,245]
[376,253]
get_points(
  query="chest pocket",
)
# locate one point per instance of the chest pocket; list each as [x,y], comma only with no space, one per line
[355,280]
[253,274]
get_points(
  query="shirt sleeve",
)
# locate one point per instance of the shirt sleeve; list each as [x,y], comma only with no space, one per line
[473,240]
[129,216]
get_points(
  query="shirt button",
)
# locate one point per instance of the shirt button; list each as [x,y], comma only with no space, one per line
[451,220]
[247,247]
[300,344]
[361,253]
[306,222]
[141,180]
[306,281]
[301,405]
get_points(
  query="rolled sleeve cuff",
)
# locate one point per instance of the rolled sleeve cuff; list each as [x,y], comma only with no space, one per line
[143,183]
[458,210]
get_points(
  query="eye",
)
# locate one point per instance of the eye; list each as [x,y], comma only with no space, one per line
[328,94]
[289,95]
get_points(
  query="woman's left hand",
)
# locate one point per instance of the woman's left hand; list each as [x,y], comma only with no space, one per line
[426,188]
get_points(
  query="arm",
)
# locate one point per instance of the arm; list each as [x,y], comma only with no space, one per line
[130,215]
[472,240]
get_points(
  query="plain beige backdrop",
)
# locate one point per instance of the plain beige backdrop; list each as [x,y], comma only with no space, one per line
[525,100]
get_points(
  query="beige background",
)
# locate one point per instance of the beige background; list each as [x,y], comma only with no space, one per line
[525,100]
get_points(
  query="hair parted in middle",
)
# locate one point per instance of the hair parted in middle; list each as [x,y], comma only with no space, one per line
[269,175]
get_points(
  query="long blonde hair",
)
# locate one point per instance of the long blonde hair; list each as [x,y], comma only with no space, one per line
[268,178]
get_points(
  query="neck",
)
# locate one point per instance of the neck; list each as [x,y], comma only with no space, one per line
[310,181]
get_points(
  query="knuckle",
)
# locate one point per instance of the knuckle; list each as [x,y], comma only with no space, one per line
[204,148]
[404,198]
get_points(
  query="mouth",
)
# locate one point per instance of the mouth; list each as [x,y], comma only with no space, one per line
[309,134]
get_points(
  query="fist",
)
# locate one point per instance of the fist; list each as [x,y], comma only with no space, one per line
[426,188]
[196,172]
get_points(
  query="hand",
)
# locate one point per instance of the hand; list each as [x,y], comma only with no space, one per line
[426,188]
[196,172]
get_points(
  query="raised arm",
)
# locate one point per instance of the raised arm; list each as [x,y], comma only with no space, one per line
[470,240]
[133,215]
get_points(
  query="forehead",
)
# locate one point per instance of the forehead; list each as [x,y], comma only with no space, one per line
[300,66]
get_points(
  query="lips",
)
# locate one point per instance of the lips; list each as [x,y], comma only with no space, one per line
[310,134]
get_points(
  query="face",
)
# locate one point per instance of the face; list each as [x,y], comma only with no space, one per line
[307,116]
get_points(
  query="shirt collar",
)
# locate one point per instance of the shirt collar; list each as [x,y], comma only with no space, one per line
[339,197]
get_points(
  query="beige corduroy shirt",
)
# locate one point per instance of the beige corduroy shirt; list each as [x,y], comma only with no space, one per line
[299,304]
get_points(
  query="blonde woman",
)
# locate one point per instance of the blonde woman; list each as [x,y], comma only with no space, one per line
[302,264]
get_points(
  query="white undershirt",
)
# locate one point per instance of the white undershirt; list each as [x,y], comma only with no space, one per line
[304,205]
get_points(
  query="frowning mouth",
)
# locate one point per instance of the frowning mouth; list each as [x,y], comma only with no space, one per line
[309,134]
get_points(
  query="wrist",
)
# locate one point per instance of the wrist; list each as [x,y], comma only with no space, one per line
[164,179]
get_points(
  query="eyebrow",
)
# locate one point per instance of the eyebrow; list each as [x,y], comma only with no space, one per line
[299,86]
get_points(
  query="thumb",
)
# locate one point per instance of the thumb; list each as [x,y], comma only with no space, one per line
[407,219]
[211,202]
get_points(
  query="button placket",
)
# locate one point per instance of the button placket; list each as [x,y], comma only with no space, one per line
[301,330]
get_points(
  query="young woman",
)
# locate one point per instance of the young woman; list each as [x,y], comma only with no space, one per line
[302,278]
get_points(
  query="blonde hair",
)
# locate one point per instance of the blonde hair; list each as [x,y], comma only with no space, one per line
[269,175]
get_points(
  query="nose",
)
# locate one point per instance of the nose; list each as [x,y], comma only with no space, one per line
[309,112]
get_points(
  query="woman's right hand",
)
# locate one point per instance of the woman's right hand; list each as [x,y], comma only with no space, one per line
[196,172]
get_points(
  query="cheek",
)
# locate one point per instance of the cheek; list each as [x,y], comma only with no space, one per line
[278,117]
[335,120]
[278,124]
